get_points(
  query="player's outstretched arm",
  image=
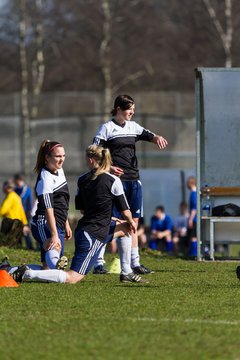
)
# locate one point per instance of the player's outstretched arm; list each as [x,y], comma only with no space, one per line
[160,141]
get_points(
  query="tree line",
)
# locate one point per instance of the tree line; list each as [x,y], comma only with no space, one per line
[114,45]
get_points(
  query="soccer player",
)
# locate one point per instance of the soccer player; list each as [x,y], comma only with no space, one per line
[98,190]
[50,223]
[120,135]
[161,230]
[192,234]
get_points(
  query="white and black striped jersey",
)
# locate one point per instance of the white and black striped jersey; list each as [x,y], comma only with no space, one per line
[96,198]
[121,140]
[52,192]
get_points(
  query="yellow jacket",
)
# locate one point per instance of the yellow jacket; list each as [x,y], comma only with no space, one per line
[12,208]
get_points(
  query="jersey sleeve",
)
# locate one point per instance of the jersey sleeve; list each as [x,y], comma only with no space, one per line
[144,134]
[101,136]
[120,200]
[44,191]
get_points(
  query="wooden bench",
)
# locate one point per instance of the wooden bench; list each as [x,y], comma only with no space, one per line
[219,192]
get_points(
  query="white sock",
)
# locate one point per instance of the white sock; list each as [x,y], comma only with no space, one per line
[52,257]
[55,276]
[100,259]
[124,249]
[135,258]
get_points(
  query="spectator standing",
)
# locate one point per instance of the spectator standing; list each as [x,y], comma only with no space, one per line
[25,193]
[192,232]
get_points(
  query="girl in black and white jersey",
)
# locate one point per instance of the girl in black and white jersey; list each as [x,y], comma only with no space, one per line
[120,136]
[98,191]
[50,224]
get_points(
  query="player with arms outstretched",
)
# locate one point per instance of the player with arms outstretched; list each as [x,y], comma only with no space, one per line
[120,135]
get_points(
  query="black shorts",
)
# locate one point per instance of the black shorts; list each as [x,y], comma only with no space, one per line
[192,232]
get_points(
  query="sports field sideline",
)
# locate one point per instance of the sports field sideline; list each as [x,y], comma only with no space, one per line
[189,310]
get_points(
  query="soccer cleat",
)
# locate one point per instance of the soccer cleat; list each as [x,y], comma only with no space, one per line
[238,272]
[100,270]
[4,265]
[132,278]
[17,275]
[62,263]
[142,270]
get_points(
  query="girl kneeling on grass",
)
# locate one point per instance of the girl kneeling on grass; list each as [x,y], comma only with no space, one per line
[98,190]
[50,223]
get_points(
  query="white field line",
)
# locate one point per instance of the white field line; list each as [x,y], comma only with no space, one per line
[186,321]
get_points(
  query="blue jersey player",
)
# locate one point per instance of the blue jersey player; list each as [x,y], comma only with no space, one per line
[161,229]
[191,184]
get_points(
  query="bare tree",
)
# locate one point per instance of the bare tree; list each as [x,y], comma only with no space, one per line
[105,57]
[112,46]
[225,36]
[29,109]
[106,60]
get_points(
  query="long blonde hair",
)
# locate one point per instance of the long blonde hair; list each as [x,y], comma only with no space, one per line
[46,148]
[102,159]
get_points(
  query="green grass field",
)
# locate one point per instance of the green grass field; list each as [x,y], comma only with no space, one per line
[189,310]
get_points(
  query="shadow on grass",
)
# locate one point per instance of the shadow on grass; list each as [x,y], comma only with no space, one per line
[136,285]
[179,271]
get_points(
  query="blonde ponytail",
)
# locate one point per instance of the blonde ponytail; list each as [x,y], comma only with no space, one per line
[102,159]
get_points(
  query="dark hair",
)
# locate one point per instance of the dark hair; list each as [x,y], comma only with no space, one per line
[46,148]
[160,208]
[18,177]
[122,101]
[9,184]
[183,204]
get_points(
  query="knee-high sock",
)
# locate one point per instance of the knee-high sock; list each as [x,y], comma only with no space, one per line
[169,246]
[124,249]
[52,257]
[55,276]
[135,258]
[100,259]
[193,248]
[153,244]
